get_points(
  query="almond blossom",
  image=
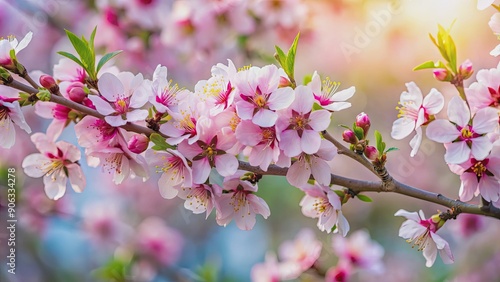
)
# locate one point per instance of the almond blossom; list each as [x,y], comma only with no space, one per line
[240,204]
[201,198]
[486,91]
[299,126]
[323,203]
[480,177]
[300,254]
[10,114]
[316,165]
[259,96]
[57,163]
[415,112]
[165,95]
[11,43]
[462,134]
[326,95]
[422,233]
[174,168]
[126,96]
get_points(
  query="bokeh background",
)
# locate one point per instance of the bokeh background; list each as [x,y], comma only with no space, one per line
[372,45]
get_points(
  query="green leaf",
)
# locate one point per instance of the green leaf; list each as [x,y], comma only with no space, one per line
[159,141]
[290,58]
[280,57]
[85,52]
[71,57]
[359,132]
[364,198]
[105,59]
[391,149]
[43,95]
[307,79]
[339,193]
[430,65]
[113,270]
[92,37]
[380,143]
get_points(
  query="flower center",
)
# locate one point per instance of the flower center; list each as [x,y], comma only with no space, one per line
[239,199]
[466,133]
[113,163]
[408,110]
[321,205]
[495,96]
[479,169]
[421,241]
[121,106]
[328,90]
[259,100]
[3,112]
[53,167]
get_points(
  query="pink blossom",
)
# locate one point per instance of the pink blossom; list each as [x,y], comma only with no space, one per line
[326,95]
[316,165]
[422,232]
[299,126]
[94,133]
[304,251]
[323,203]
[200,198]
[240,203]
[125,93]
[11,43]
[57,163]
[269,271]
[359,251]
[261,142]
[209,151]
[68,70]
[284,13]
[461,137]
[414,113]
[480,177]
[339,273]
[10,114]
[259,96]
[175,171]
[138,143]
[157,241]
[165,95]
[486,91]
[102,223]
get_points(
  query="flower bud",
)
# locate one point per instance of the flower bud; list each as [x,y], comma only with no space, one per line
[49,83]
[371,153]
[442,74]
[363,121]
[138,143]
[76,92]
[284,82]
[465,69]
[349,136]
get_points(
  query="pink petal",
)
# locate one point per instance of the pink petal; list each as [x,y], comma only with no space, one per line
[8,137]
[265,118]
[409,215]
[320,120]
[244,110]
[33,163]
[55,187]
[290,143]
[76,177]
[298,174]
[468,186]
[430,254]
[457,152]
[201,170]
[442,131]
[481,147]
[321,171]
[226,164]
[248,133]
[137,115]
[110,87]
[310,142]
[402,127]
[304,99]
[115,120]
[413,96]
[489,187]
[343,95]
[281,98]
[485,120]
[458,112]
[337,106]
[433,102]
[103,107]
[166,185]
[258,205]
[416,141]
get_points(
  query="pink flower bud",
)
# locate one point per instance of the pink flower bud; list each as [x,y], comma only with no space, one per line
[349,136]
[363,121]
[465,69]
[138,143]
[76,92]
[371,153]
[49,83]
[442,74]
[284,82]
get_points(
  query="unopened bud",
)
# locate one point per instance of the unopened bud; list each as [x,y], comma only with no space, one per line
[349,136]
[442,75]
[437,221]
[284,82]
[465,69]
[363,121]
[138,143]
[49,83]
[371,153]
[76,92]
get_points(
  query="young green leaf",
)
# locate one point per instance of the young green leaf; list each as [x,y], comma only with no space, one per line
[290,58]
[430,65]
[364,198]
[71,57]
[105,59]
[280,57]
[378,140]
[339,193]
[391,149]
[159,141]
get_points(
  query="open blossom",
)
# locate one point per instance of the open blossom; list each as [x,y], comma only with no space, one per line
[174,168]
[11,43]
[322,202]
[315,164]
[299,126]
[240,203]
[422,233]
[200,198]
[10,114]
[165,95]
[480,177]
[486,91]
[56,162]
[209,151]
[122,96]
[414,112]
[461,137]
[359,252]
[326,95]
[300,254]
[259,96]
